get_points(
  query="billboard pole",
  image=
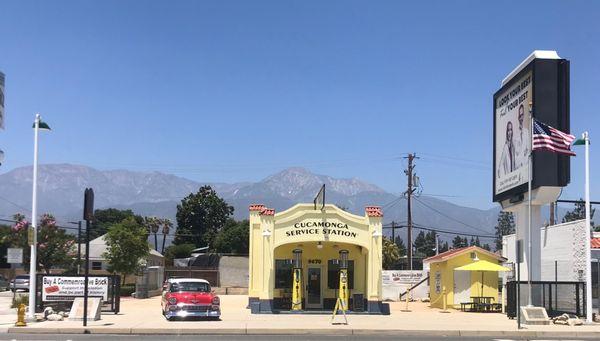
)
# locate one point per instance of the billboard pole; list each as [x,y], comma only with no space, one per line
[529,263]
[588,251]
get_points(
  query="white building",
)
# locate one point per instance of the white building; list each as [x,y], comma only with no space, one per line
[563,255]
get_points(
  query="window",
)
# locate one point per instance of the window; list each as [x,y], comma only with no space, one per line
[333,274]
[283,274]
[96,265]
[190,287]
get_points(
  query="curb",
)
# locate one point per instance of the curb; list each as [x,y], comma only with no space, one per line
[278,331]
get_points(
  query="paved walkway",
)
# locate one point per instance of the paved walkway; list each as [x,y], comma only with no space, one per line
[144,317]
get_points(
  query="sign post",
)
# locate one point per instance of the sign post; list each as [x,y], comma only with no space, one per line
[88,215]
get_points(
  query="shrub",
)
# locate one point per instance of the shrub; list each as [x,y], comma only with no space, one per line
[127,290]
[20,299]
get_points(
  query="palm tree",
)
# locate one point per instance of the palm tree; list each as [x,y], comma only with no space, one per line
[166,228]
[152,225]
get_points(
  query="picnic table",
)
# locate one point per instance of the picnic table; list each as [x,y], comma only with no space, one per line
[480,304]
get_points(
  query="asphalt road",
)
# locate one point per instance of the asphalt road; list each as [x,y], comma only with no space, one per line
[247,337]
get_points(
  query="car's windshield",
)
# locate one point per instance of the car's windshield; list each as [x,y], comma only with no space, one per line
[190,286]
[22,277]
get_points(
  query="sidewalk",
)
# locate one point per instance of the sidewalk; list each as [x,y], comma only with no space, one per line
[144,317]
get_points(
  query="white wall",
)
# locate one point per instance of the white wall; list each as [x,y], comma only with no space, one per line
[562,246]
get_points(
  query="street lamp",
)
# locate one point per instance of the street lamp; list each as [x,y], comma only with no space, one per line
[78,223]
[37,125]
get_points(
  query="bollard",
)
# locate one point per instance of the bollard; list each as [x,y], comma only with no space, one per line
[21,316]
[407,299]
[444,302]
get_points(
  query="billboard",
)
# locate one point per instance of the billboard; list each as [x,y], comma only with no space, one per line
[1,100]
[66,288]
[513,134]
[538,87]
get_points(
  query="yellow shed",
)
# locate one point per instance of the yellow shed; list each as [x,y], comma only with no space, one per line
[460,286]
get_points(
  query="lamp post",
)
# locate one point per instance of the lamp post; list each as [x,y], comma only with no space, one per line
[78,223]
[37,125]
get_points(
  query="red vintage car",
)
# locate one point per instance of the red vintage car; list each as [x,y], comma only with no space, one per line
[189,297]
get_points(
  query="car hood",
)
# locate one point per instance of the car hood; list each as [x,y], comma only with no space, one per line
[193,297]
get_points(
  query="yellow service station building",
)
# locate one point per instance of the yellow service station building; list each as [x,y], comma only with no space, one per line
[310,258]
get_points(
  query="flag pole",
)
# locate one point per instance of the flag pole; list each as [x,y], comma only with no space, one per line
[529,265]
[588,258]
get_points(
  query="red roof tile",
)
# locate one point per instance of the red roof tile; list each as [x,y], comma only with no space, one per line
[268,211]
[595,243]
[256,207]
[374,211]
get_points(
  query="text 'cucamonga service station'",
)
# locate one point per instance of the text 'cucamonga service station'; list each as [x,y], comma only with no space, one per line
[308,259]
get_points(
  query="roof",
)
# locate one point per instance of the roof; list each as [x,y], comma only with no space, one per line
[98,247]
[179,280]
[595,243]
[482,265]
[444,256]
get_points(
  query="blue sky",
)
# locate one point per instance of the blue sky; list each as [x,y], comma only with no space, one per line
[237,90]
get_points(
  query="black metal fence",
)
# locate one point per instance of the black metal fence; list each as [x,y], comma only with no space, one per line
[64,302]
[557,297]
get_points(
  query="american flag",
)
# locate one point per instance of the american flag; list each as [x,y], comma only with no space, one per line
[547,138]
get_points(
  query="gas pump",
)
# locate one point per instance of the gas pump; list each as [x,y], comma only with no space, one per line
[297,286]
[343,288]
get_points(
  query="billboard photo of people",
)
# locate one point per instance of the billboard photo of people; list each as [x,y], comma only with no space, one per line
[513,134]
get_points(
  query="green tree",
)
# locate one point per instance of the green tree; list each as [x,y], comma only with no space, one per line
[152,225]
[444,247]
[425,244]
[127,247]
[55,246]
[105,218]
[486,246]
[458,241]
[233,238]
[578,213]
[200,217]
[390,253]
[401,246]
[505,226]
[166,228]
[178,251]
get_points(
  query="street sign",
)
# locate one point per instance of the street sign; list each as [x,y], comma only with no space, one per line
[14,255]
[30,235]
[88,204]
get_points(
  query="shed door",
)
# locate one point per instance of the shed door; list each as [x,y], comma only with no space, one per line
[462,287]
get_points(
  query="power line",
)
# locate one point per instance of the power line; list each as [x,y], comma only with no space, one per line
[444,231]
[15,204]
[449,217]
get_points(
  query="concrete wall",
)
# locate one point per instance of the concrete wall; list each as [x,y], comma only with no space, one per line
[562,247]
[233,271]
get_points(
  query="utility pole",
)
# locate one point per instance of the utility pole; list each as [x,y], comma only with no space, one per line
[437,244]
[409,192]
[393,232]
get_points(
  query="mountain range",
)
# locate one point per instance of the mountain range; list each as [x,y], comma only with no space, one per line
[61,186]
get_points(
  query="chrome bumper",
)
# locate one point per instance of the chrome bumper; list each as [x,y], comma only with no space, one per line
[191,313]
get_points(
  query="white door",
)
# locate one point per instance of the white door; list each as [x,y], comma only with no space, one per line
[462,287]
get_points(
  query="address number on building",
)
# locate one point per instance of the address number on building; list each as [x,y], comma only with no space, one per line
[314,261]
